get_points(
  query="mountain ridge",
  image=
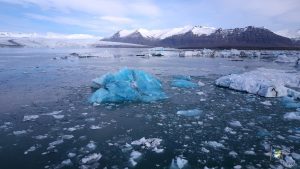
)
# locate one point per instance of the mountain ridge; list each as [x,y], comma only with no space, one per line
[207,37]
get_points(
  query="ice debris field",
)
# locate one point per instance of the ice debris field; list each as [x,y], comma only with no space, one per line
[171,112]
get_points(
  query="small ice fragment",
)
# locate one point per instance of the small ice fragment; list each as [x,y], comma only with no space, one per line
[91,158]
[288,162]
[189,113]
[292,116]
[204,150]
[233,154]
[178,163]
[32,148]
[183,83]
[40,137]
[94,127]
[91,145]
[235,124]
[134,155]
[20,132]
[66,162]
[53,113]
[250,152]
[237,167]
[229,130]
[30,117]
[296,156]
[267,103]
[67,137]
[71,155]
[57,142]
[58,116]
[215,144]
[201,83]
[200,93]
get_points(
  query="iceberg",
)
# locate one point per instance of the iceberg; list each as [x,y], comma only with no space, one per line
[263,82]
[127,85]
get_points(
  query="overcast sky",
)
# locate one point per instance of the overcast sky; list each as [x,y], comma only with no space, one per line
[104,17]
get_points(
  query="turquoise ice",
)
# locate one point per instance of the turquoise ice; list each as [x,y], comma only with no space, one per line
[183,82]
[127,85]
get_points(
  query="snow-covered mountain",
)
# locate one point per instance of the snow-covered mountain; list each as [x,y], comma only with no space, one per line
[54,40]
[293,34]
[165,33]
[209,37]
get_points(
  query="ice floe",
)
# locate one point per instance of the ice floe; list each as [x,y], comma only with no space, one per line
[134,156]
[127,85]
[91,158]
[150,143]
[235,124]
[178,163]
[264,82]
[214,144]
[20,132]
[189,113]
[292,116]
[30,117]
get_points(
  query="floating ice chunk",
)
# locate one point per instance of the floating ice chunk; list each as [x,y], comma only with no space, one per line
[182,77]
[53,113]
[233,154]
[235,124]
[128,85]
[289,102]
[55,143]
[91,158]
[250,152]
[91,145]
[59,116]
[66,162]
[71,155]
[67,137]
[41,137]
[282,58]
[134,155]
[32,148]
[201,83]
[229,130]
[178,163]
[237,167]
[20,132]
[30,117]
[150,143]
[264,82]
[292,116]
[288,162]
[94,127]
[215,144]
[296,156]
[181,83]
[189,113]
[267,103]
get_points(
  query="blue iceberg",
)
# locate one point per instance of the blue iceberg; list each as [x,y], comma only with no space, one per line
[127,85]
[181,81]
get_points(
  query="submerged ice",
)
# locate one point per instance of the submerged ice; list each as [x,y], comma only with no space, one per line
[127,85]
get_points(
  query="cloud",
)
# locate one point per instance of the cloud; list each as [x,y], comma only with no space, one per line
[95,7]
[117,20]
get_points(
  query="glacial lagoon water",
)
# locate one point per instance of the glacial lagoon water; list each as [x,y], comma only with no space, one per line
[46,120]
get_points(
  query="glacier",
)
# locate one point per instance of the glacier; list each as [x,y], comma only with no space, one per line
[263,82]
[127,85]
